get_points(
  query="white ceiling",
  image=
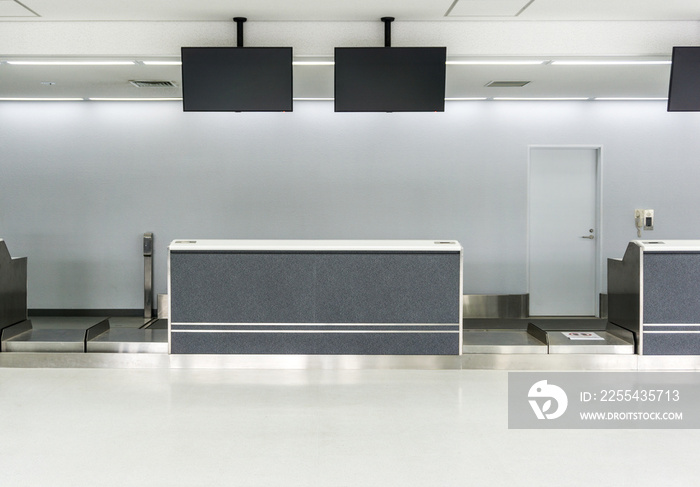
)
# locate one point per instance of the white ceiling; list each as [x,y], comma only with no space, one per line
[543,30]
[343,10]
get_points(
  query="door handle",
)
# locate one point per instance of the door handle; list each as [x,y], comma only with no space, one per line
[588,236]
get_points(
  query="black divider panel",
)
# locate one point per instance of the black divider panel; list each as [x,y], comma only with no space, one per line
[315,287]
[671,287]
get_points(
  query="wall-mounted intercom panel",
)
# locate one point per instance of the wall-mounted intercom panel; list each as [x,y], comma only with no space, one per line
[643,220]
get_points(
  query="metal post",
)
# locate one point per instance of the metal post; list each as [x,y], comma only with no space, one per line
[239,23]
[147,275]
[387,30]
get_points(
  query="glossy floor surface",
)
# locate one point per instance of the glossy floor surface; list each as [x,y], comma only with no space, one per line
[171,427]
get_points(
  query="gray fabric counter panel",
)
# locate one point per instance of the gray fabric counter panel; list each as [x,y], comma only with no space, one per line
[391,302]
[317,343]
[671,343]
[314,287]
[671,287]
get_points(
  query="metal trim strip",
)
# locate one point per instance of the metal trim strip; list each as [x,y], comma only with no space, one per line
[312,324]
[324,251]
[647,325]
[318,328]
[367,332]
[555,362]
[680,332]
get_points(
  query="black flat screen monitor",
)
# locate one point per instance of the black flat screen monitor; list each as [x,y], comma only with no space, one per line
[684,88]
[390,79]
[237,79]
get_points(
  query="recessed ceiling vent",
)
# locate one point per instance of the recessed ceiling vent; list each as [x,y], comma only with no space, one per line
[507,84]
[152,84]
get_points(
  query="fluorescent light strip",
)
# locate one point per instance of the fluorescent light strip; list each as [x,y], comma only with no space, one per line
[630,99]
[42,99]
[496,63]
[331,99]
[134,99]
[71,63]
[331,63]
[466,99]
[609,63]
[313,63]
[542,99]
[162,63]
[446,99]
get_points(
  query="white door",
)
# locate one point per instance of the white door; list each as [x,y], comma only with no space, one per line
[563,231]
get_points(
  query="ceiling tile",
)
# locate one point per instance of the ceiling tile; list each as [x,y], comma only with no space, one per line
[10,8]
[488,8]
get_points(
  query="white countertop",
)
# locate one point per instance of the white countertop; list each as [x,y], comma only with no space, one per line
[668,245]
[317,245]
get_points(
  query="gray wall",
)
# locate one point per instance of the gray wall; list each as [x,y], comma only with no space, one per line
[81,182]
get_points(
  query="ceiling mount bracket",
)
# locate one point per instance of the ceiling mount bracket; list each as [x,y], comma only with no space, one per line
[239,34]
[387,30]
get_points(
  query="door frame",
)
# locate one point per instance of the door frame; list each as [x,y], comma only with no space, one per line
[598,214]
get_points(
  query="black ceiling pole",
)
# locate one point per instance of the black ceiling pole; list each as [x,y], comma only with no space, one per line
[239,23]
[387,30]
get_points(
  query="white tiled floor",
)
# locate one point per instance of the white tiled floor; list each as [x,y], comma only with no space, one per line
[162,427]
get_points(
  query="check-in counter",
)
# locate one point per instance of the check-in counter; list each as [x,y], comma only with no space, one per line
[654,291]
[315,297]
[13,288]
